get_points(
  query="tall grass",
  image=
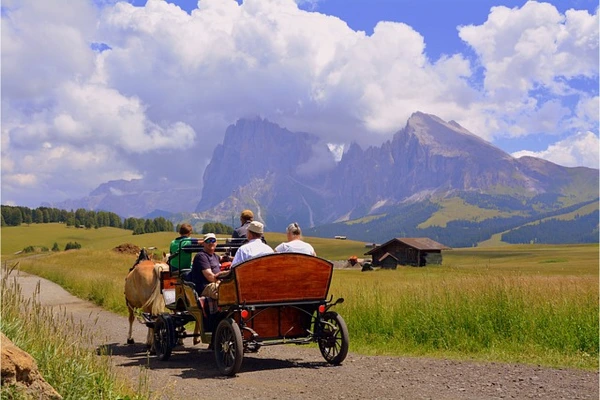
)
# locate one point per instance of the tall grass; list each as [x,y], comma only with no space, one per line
[534,304]
[62,348]
[542,320]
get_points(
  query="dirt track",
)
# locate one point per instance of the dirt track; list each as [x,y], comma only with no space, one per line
[299,372]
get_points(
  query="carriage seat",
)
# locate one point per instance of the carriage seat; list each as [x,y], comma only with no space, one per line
[183,273]
[204,303]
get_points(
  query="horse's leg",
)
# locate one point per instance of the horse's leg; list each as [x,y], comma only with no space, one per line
[131,318]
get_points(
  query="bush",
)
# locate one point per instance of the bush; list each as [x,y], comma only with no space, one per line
[55,247]
[35,249]
[72,245]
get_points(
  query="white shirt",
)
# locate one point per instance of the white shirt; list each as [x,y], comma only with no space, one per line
[295,246]
[253,248]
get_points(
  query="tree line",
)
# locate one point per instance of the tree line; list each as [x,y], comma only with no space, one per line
[581,229]
[217,227]
[17,215]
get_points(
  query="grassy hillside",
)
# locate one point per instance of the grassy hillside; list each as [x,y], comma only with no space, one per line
[457,208]
[470,218]
[14,239]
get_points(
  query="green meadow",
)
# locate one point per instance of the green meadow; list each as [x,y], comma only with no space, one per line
[534,304]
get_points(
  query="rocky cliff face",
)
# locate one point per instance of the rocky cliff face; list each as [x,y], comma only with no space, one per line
[428,156]
[277,173]
[289,176]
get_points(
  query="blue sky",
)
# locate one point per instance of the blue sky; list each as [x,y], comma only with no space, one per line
[145,89]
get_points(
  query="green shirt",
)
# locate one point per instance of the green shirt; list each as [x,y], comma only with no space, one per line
[182,259]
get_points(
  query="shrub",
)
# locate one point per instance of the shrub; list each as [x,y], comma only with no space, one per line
[35,249]
[72,245]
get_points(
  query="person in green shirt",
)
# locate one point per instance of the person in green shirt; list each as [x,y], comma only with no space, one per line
[182,260]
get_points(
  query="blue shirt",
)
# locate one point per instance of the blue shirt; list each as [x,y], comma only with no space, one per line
[201,262]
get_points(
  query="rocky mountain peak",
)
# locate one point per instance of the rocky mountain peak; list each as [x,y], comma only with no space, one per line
[254,149]
[449,138]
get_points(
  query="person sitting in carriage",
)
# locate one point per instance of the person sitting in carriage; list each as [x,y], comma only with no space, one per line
[182,260]
[246,217]
[206,268]
[240,233]
[255,246]
[295,244]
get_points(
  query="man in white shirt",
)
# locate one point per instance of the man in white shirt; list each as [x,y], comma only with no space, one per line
[255,247]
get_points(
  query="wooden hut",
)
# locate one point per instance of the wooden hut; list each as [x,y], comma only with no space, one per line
[387,261]
[417,252]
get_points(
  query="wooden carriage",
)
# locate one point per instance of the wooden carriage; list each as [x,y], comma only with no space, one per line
[273,299]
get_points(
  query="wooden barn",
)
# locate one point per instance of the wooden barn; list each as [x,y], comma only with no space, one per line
[417,252]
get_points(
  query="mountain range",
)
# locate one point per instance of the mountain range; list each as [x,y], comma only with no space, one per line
[433,178]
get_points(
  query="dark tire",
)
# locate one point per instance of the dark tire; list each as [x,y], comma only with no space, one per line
[228,347]
[333,338]
[164,337]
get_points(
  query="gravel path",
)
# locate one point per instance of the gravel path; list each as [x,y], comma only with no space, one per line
[299,372]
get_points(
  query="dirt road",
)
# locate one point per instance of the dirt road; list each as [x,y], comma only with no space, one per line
[299,372]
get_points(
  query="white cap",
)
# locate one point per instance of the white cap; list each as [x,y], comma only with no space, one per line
[210,236]
[256,227]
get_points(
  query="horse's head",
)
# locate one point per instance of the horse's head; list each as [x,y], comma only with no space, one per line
[143,255]
[166,257]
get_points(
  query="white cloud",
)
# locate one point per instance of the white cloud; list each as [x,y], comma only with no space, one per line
[578,150]
[587,112]
[531,56]
[25,180]
[45,43]
[159,98]
[533,45]
[321,160]
[102,114]
[337,150]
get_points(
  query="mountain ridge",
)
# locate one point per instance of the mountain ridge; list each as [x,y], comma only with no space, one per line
[289,176]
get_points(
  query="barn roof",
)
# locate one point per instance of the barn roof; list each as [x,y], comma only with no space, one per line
[417,243]
[423,243]
[386,255]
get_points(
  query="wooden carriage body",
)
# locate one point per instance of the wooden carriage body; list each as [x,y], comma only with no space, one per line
[280,291]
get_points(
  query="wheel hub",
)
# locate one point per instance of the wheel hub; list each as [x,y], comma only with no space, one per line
[226,347]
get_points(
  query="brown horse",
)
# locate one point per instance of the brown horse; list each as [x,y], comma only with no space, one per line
[142,291]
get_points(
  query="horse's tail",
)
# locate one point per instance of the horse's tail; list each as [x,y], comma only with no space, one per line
[155,301]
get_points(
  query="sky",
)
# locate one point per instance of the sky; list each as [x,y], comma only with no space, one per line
[100,90]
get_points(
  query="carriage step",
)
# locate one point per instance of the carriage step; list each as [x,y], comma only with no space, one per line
[147,319]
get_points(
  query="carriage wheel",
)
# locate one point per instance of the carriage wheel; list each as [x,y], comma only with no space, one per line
[333,338]
[228,347]
[164,332]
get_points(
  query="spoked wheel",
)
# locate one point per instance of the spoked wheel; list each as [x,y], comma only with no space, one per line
[228,347]
[333,338]
[164,334]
